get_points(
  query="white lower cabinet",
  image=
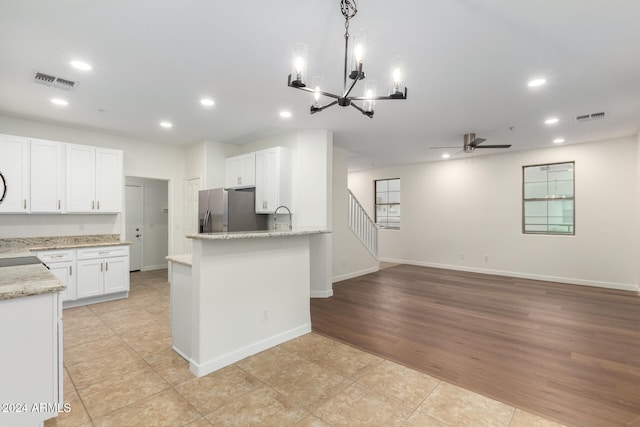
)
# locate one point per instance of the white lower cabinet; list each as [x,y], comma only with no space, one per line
[31,371]
[62,263]
[102,271]
[90,274]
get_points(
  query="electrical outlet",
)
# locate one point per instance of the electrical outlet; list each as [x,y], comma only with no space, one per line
[486,258]
[265,314]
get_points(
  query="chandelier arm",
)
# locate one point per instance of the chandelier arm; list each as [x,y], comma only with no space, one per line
[318,109]
[366,113]
[356,80]
[379,98]
[310,90]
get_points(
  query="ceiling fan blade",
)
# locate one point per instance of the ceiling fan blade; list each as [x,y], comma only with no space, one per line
[442,148]
[495,146]
[477,142]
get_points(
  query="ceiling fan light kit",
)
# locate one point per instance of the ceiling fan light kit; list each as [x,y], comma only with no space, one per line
[353,70]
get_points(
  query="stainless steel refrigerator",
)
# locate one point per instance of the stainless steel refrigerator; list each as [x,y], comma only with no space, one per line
[229,210]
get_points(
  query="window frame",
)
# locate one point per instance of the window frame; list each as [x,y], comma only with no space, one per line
[547,198]
[376,204]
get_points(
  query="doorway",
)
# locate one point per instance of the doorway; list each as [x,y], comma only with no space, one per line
[147,222]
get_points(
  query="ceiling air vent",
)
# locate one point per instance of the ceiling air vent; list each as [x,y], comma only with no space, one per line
[53,81]
[588,117]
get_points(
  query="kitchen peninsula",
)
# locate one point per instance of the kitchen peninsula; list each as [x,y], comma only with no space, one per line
[245,292]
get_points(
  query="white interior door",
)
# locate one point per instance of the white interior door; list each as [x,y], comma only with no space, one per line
[191,227]
[133,227]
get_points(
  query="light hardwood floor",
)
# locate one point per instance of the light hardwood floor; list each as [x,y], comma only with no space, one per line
[569,353]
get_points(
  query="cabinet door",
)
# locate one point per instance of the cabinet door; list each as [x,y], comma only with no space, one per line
[90,278]
[80,178]
[240,171]
[46,176]
[116,274]
[64,272]
[273,179]
[14,166]
[109,171]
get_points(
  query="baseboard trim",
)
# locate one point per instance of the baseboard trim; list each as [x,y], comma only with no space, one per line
[322,294]
[547,278]
[220,362]
[95,300]
[154,267]
[355,274]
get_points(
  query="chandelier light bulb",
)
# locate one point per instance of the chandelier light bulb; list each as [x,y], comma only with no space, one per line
[397,76]
[359,52]
[299,65]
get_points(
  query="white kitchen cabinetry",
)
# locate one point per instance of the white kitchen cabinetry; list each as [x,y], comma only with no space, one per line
[93,179]
[102,271]
[14,166]
[47,170]
[273,179]
[240,171]
[31,368]
[62,263]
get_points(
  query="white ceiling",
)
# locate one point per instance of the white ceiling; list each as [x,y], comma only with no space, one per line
[467,65]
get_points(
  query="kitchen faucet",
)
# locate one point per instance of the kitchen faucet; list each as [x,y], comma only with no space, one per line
[275,221]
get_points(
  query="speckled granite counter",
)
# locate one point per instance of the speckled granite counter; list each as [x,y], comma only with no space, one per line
[26,280]
[231,235]
[21,246]
[181,259]
[35,279]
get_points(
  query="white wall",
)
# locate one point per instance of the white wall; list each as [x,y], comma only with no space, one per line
[473,207]
[350,256]
[141,158]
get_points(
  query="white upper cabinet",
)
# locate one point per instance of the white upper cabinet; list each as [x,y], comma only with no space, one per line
[93,179]
[14,166]
[241,171]
[273,179]
[47,169]
[109,176]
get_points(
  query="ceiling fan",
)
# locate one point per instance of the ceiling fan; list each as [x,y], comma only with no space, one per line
[471,143]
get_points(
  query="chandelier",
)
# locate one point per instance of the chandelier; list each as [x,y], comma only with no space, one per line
[297,78]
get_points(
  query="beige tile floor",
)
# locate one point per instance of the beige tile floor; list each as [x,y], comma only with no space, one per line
[120,370]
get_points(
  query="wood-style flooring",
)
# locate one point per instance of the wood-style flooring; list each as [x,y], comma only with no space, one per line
[568,353]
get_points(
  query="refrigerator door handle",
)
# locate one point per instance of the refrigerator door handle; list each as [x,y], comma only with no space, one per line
[207,216]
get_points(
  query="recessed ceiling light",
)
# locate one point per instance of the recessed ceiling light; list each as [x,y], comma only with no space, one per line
[81,65]
[446,155]
[207,102]
[551,121]
[537,82]
[166,125]
[59,101]
[285,114]
[558,140]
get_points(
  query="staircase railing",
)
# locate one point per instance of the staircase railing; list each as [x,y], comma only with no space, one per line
[362,225]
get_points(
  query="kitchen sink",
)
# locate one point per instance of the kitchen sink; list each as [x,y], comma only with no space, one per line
[23,260]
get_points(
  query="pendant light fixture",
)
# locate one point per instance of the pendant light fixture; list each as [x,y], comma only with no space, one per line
[353,71]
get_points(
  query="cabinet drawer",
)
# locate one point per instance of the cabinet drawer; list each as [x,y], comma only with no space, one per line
[102,252]
[55,256]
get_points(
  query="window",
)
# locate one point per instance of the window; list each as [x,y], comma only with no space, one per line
[388,203]
[548,199]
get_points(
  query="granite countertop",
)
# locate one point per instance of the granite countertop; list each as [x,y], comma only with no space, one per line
[35,279]
[17,247]
[26,280]
[180,259]
[232,235]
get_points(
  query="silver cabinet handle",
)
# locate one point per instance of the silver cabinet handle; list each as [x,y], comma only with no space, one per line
[101,266]
[106,263]
[104,252]
[98,204]
[57,256]
[239,180]
[70,271]
[58,204]
[93,205]
[25,203]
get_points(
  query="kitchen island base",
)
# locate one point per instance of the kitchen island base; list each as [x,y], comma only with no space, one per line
[247,295]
